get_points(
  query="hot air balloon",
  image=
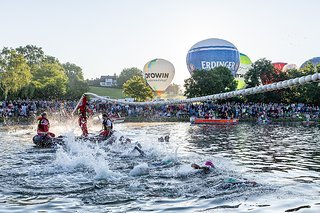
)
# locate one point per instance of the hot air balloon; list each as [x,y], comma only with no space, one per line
[278,68]
[245,65]
[159,74]
[289,67]
[211,53]
[315,61]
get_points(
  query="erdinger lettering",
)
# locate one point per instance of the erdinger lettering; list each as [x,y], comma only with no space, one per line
[208,65]
[157,75]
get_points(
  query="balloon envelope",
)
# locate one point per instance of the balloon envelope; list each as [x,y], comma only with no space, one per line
[211,53]
[289,67]
[315,61]
[278,68]
[159,74]
[245,65]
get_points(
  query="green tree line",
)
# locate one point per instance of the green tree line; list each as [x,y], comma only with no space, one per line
[262,71]
[218,80]
[26,72]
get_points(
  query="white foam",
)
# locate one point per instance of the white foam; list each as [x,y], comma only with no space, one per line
[84,154]
[141,169]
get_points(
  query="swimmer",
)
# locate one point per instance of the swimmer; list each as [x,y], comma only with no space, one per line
[164,139]
[121,138]
[206,168]
[139,150]
[138,147]
[231,183]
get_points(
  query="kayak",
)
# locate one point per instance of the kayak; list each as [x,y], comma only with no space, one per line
[214,121]
[51,142]
[43,141]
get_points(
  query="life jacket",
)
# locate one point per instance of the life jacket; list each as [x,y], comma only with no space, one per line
[105,124]
[43,124]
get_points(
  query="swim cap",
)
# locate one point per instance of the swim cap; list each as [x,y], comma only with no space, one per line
[209,164]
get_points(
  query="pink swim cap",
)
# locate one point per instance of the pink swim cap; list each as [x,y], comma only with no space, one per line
[209,163]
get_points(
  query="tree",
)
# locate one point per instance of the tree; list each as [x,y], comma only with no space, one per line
[127,74]
[50,80]
[173,89]
[308,93]
[209,82]
[15,72]
[261,67]
[33,54]
[137,88]
[76,83]
[263,71]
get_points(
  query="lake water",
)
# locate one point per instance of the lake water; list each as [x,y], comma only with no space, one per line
[89,177]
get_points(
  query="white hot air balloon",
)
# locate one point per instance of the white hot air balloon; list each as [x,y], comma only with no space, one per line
[159,74]
[288,67]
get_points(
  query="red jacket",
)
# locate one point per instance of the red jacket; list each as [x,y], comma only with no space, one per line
[43,125]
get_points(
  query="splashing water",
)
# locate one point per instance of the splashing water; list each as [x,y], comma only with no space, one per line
[99,177]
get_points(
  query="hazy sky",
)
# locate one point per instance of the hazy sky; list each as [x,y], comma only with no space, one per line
[103,37]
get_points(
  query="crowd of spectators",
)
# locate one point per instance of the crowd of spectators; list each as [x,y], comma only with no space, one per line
[212,110]
[206,109]
[25,108]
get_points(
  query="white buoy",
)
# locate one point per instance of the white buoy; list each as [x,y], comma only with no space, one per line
[302,80]
[295,81]
[284,84]
[314,77]
[308,78]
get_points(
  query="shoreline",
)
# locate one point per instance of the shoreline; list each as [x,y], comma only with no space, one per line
[30,120]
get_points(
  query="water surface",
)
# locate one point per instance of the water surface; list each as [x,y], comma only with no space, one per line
[92,177]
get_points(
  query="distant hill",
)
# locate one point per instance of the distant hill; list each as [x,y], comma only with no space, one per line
[105,91]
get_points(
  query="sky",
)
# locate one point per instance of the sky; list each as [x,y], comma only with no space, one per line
[104,37]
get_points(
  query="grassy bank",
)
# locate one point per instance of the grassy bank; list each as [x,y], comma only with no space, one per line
[105,91]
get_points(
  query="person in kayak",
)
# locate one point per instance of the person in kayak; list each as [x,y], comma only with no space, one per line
[44,126]
[107,127]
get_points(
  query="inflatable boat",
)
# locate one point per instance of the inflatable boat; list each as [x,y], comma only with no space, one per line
[213,121]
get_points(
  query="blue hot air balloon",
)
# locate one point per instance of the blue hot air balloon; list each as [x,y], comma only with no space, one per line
[315,61]
[211,53]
